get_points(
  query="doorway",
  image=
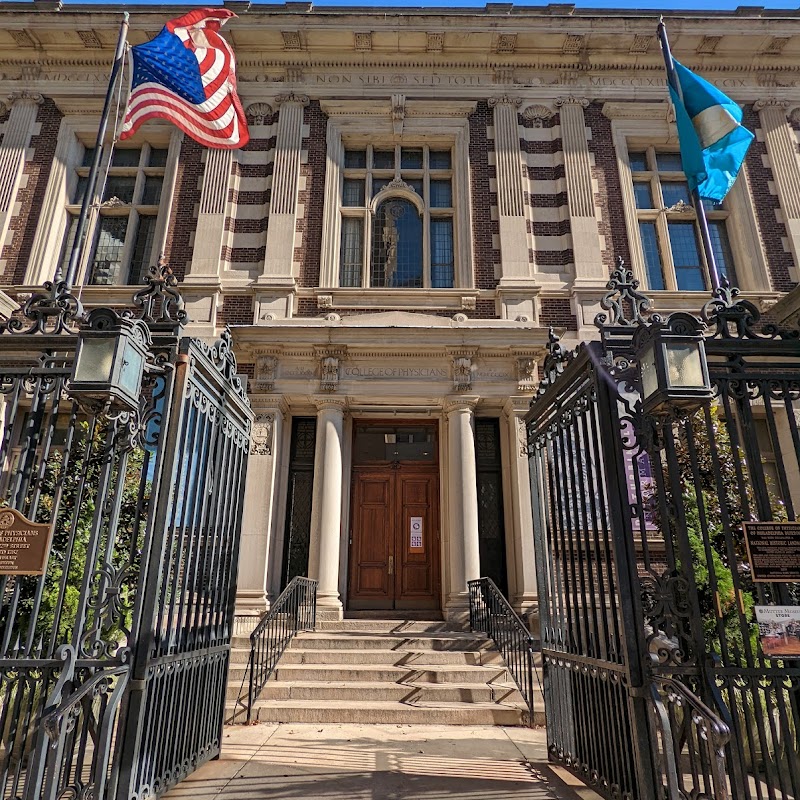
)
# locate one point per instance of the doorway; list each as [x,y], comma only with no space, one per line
[394,530]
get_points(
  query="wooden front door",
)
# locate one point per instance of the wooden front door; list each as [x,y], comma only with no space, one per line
[394,538]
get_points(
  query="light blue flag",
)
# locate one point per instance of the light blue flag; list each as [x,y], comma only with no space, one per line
[712,138]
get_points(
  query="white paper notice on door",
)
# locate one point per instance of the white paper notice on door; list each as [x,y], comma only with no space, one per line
[415,530]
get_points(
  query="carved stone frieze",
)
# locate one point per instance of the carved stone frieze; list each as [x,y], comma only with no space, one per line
[462,371]
[291,97]
[258,112]
[435,42]
[538,114]
[261,437]
[329,358]
[363,41]
[571,99]
[469,303]
[398,113]
[292,40]
[506,43]
[526,374]
[266,369]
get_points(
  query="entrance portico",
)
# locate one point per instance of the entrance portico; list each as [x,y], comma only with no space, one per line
[347,516]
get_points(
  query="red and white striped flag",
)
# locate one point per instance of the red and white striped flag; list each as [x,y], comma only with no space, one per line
[187,75]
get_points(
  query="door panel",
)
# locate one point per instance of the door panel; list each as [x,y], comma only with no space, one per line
[417,540]
[391,566]
[371,586]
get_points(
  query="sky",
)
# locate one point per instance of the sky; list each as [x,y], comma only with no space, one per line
[672,5]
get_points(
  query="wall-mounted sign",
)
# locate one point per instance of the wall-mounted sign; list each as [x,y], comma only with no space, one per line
[779,630]
[24,545]
[415,530]
[774,550]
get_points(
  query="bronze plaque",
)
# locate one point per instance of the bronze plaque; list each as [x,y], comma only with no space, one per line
[24,545]
[774,551]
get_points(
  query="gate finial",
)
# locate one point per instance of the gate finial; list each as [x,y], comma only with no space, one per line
[623,298]
[161,286]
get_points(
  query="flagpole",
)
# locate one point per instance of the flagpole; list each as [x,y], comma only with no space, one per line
[79,242]
[705,234]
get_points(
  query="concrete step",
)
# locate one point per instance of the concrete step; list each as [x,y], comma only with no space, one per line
[443,673]
[372,712]
[329,691]
[347,640]
[399,658]
[396,626]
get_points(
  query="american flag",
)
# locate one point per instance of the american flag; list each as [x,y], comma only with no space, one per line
[187,75]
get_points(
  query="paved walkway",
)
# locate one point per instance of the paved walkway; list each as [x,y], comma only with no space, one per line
[381,762]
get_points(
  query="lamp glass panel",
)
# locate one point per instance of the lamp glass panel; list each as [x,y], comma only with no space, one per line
[647,364]
[130,373]
[684,365]
[95,360]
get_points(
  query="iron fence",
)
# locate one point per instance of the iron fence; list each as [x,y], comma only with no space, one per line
[295,610]
[113,662]
[657,682]
[489,611]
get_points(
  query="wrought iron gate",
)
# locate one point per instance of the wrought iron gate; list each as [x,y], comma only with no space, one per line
[656,682]
[113,662]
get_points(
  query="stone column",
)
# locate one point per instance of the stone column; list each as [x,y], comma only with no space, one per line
[285,186]
[524,595]
[782,150]
[326,510]
[260,527]
[203,281]
[464,552]
[17,132]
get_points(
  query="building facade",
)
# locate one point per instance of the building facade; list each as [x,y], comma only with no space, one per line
[424,195]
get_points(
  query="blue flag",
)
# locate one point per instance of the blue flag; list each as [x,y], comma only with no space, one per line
[712,138]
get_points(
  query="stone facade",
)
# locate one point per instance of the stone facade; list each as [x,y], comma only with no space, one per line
[555,126]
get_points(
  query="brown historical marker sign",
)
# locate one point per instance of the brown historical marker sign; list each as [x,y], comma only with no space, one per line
[774,551]
[23,544]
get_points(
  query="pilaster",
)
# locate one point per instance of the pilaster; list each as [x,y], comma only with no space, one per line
[332,223]
[516,279]
[285,186]
[17,132]
[260,526]
[523,590]
[462,496]
[326,506]
[782,150]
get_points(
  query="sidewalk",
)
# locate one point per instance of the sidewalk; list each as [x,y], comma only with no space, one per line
[381,762]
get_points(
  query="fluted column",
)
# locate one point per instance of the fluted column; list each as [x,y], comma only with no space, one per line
[332,223]
[326,509]
[17,132]
[260,524]
[464,550]
[285,186]
[515,263]
[523,591]
[782,150]
[584,230]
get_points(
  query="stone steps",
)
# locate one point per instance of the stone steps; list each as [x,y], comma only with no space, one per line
[392,671]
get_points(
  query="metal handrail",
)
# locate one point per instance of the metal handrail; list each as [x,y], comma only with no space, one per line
[293,611]
[696,728]
[489,611]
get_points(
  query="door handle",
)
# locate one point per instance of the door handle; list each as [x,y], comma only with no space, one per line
[391,565]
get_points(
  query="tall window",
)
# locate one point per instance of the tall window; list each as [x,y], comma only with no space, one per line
[668,228]
[397,218]
[124,230]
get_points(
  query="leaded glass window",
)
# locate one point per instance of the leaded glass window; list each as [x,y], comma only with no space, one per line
[387,239]
[668,229]
[122,236]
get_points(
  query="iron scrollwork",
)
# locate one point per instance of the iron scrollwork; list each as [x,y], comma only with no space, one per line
[52,311]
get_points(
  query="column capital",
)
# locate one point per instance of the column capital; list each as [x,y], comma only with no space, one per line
[291,97]
[571,100]
[505,100]
[24,96]
[453,404]
[771,102]
[330,403]
[517,406]
[270,405]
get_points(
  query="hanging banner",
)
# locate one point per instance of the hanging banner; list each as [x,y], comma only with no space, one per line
[779,630]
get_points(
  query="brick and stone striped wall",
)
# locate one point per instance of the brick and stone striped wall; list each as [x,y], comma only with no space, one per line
[249,197]
[22,227]
[311,199]
[485,225]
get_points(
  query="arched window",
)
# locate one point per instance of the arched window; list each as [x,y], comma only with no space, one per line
[396,245]
[397,216]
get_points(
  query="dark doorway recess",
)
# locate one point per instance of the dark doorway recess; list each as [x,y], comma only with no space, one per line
[491,526]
